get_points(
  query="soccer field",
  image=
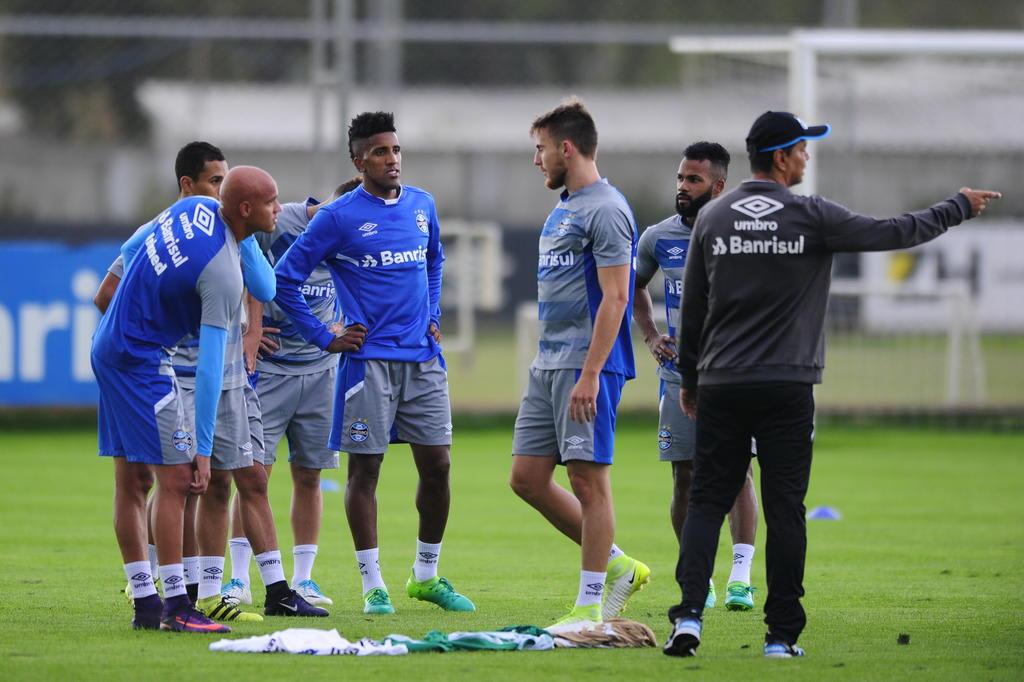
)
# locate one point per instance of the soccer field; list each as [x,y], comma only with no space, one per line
[930,544]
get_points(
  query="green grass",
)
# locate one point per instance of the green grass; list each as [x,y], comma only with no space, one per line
[931,544]
[862,371]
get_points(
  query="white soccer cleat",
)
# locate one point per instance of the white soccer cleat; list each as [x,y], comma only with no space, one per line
[310,591]
[237,592]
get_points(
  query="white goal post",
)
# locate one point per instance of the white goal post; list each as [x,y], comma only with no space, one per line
[803,48]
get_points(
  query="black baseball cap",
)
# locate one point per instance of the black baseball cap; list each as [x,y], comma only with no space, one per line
[780,129]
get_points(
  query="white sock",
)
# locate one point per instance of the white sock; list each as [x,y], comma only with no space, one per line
[173,578]
[211,572]
[140,578]
[591,588]
[615,553]
[191,565]
[304,555]
[154,564]
[427,556]
[241,555]
[742,557]
[368,561]
[271,568]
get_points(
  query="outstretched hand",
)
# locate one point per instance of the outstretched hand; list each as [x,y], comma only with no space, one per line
[979,199]
[349,340]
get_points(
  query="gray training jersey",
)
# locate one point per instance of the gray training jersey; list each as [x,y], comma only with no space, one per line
[296,355]
[589,229]
[664,246]
[758,274]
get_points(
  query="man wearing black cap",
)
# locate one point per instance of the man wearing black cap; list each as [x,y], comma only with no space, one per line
[754,296]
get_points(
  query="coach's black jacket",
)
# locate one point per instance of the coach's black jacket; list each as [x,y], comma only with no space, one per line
[758,273]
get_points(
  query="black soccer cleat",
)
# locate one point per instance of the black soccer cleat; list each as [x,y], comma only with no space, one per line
[291,604]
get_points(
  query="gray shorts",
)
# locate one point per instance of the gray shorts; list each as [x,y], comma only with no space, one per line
[677,433]
[385,401]
[299,406]
[543,427]
[238,436]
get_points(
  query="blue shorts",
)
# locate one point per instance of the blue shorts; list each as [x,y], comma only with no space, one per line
[543,427]
[141,416]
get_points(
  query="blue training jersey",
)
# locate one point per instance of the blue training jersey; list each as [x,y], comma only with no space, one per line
[665,246]
[186,273]
[385,258]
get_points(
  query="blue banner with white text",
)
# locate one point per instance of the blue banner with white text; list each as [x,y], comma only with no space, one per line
[47,320]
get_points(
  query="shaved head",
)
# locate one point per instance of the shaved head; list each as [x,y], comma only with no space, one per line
[249,199]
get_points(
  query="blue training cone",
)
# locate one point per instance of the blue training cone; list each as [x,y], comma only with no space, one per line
[329,486]
[824,514]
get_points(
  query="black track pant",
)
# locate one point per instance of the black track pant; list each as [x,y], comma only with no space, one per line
[781,417]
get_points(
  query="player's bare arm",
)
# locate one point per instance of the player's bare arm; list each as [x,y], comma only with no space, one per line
[614,283]
[105,294]
[662,346]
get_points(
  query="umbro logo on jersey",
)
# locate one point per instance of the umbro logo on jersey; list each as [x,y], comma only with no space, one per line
[575,442]
[368,229]
[676,252]
[204,219]
[756,206]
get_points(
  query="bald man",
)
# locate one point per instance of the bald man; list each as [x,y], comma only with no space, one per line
[187,280]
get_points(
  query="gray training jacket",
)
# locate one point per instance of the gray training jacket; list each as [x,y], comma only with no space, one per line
[758,274]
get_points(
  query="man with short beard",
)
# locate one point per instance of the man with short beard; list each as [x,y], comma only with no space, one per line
[700,178]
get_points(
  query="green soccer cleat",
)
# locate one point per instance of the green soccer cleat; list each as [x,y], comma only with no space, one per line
[378,602]
[578,618]
[222,608]
[438,591]
[739,596]
[626,577]
[712,599]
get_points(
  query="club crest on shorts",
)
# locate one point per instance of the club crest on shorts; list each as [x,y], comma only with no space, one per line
[359,431]
[182,440]
[664,439]
[421,221]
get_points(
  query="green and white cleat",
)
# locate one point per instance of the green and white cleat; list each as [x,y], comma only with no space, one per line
[579,618]
[712,599]
[222,608]
[438,591]
[237,591]
[739,596]
[626,576]
[378,602]
[310,591]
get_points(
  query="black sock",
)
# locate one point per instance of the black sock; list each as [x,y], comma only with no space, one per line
[277,591]
[177,604]
[192,589]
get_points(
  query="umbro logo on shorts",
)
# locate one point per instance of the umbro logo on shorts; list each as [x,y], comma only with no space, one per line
[575,442]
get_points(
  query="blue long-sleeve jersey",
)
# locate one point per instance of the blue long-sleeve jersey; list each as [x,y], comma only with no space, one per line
[385,257]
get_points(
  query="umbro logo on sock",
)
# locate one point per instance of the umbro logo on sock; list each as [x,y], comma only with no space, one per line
[737,558]
[269,562]
[596,588]
[173,580]
[428,556]
[141,577]
[212,571]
